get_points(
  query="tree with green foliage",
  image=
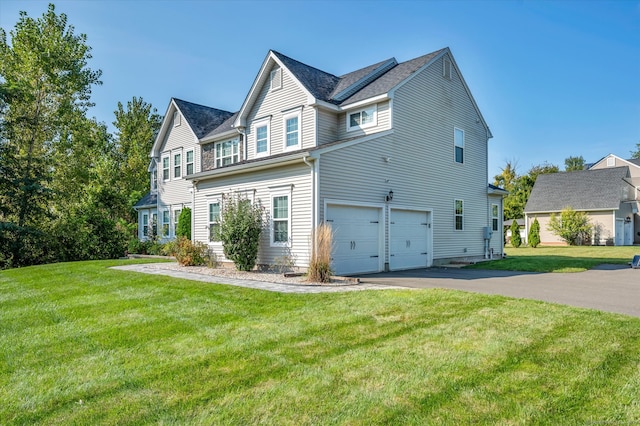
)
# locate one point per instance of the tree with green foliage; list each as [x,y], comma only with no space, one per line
[572,226]
[636,153]
[533,239]
[46,93]
[184,224]
[516,240]
[136,128]
[239,230]
[572,164]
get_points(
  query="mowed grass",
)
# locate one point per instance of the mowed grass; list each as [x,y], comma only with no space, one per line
[560,259]
[84,344]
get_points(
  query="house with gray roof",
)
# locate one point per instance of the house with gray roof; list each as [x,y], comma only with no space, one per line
[393,156]
[607,192]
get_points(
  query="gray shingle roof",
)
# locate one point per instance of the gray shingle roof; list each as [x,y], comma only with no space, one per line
[580,190]
[225,126]
[148,200]
[319,83]
[202,119]
[635,161]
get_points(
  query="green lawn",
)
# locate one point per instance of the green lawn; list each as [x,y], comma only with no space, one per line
[83,344]
[560,259]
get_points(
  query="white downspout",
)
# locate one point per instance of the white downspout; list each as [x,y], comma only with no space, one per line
[193,211]
[314,198]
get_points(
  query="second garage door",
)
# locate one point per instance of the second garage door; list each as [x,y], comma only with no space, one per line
[410,239]
[357,241]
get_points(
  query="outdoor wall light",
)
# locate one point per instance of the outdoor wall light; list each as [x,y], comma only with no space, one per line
[389,196]
[627,219]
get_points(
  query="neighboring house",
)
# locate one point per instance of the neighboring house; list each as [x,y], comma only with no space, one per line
[393,156]
[507,229]
[608,192]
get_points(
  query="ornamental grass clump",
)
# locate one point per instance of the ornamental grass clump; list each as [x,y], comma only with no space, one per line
[320,265]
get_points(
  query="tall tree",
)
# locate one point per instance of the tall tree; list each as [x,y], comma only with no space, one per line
[572,164]
[47,89]
[137,126]
[636,153]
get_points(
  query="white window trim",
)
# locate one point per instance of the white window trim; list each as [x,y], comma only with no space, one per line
[283,192]
[291,114]
[456,129]
[168,224]
[211,201]
[175,220]
[173,164]
[497,216]
[455,214]
[215,148]
[275,76]
[176,119]
[168,168]
[154,179]
[374,123]
[266,122]
[611,162]
[193,163]
[145,218]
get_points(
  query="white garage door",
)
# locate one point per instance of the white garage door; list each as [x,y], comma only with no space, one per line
[410,243]
[356,236]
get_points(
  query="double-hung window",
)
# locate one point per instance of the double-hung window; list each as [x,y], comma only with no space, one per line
[177,166]
[165,168]
[165,223]
[214,221]
[292,131]
[154,225]
[281,220]
[189,162]
[495,215]
[227,152]
[362,119]
[176,219]
[262,130]
[459,215]
[458,142]
[145,225]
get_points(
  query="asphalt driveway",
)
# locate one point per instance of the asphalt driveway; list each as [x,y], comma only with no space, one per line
[611,288]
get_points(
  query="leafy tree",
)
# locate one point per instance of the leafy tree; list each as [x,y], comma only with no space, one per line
[516,241]
[572,164]
[239,231]
[184,224]
[136,129]
[572,226]
[534,234]
[46,93]
[636,153]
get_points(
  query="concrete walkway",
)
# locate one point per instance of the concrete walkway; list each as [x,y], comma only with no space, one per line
[611,288]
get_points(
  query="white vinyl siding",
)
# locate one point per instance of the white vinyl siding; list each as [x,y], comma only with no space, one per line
[327,126]
[260,186]
[366,117]
[276,104]
[382,121]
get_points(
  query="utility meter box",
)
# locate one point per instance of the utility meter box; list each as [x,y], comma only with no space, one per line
[487,232]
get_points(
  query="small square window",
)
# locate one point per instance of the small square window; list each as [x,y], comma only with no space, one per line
[362,119]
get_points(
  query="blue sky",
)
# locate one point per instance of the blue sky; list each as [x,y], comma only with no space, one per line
[552,78]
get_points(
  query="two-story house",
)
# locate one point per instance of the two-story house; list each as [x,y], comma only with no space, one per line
[393,156]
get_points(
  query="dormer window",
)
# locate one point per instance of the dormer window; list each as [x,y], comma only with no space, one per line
[176,118]
[362,119]
[275,79]
[227,152]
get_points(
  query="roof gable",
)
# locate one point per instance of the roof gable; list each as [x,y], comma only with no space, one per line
[634,162]
[599,189]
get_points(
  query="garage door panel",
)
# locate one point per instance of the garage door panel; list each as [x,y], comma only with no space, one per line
[409,244]
[356,237]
